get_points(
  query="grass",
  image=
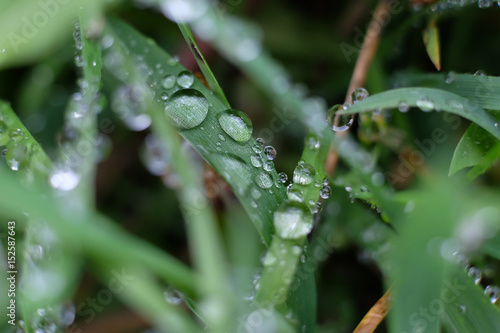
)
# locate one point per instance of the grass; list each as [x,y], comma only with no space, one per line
[217,239]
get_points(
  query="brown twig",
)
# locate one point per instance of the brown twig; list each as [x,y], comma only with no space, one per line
[376,314]
[366,54]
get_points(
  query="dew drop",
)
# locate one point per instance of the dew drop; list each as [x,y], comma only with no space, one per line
[169,81]
[480,72]
[172,296]
[312,142]
[282,177]
[268,166]
[270,152]
[289,188]
[403,107]
[425,104]
[4,134]
[17,156]
[255,193]
[304,174]
[344,122]
[185,79]
[256,161]
[359,94]
[325,192]
[129,102]
[186,108]
[236,124]
[476,274]
[493,292]
[495,124]
[450,77]
[293,220]
[264,180]
[16,135]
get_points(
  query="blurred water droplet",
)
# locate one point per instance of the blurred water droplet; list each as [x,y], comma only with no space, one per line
[129,102]
[493,292]
[270,152]
[344,121]
[255,193]
[16,134]
[173,296]
[282,177]
[186,108]
[476,274]
[17,156]
[64,179]
[288,188]
[280,84]
[256,161]
[68,313]
[304,174]
[325,192]
[480,72]
[236,124]
[292,220]
[185,79]
[183,11]
[450,77]
[247,49]
[264,180]
[425,104]
[359,94]
[312,142]
[169,81]
[403,107]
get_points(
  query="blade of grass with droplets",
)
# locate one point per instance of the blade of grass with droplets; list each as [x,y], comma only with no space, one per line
[227,146]
[202,63]
[479,89]
[467,308]
[428,99]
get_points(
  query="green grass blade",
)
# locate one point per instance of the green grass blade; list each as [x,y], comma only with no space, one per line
[431,41]
[481,90]
[229,157]
[202,63]
[429,99]
[489,159]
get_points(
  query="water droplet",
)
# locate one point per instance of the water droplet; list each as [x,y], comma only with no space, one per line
[64,179]
[403,107]
[359,94]
[268,166]
[4,134]
[289,188]
[169,81]
[495,124]
[247,49]
[304,174]
[292,220]
[317,209]
[107,41]
[425,104]
[236,124]
[129,102]
[476,274]
[282,177]
[17,156]
[270,152]
[186,108]
[295,195]
[255,193]
[325,192]
[185,79]
[68,313]
[493,292]
[312,142]
[348,189]
[462,308]
[256,161]
[183,11]
[450,77]
[343,123]
[16,134]
[480,72]
[172,296]
[264,180]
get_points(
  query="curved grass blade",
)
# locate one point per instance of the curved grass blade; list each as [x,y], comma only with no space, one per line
[202,63]
[258,190]
[490,158]
[429,99]
[472,148]
[479,89]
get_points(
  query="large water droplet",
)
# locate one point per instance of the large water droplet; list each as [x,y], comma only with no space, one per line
[359,94]
[185,79]
[304,174]
[264,180]
[4,134]
[236,124]
[425,104]
[169,81]
[343,123]
[186,108]
[293,220]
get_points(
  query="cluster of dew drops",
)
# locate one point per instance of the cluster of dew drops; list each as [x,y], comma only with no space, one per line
[491,291]
[456,4]
[49,319]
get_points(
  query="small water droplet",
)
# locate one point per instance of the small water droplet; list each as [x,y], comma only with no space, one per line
[450,77]
[476,274]
[403,107]
[425,104]
[289,188]
[270,152]
[236,124]
[325,192]
[255,193]
[480,72]
[495,124]
[169,81]
[261,142]
[359,94]
[268,166]
[186,108]
[256,161]
[185,79]
[312,142]
[293,220]
[282,177]
[493,292]
[172,296]
[264,180]
[173,61]
[304,174]
[343,123]
[68,313]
